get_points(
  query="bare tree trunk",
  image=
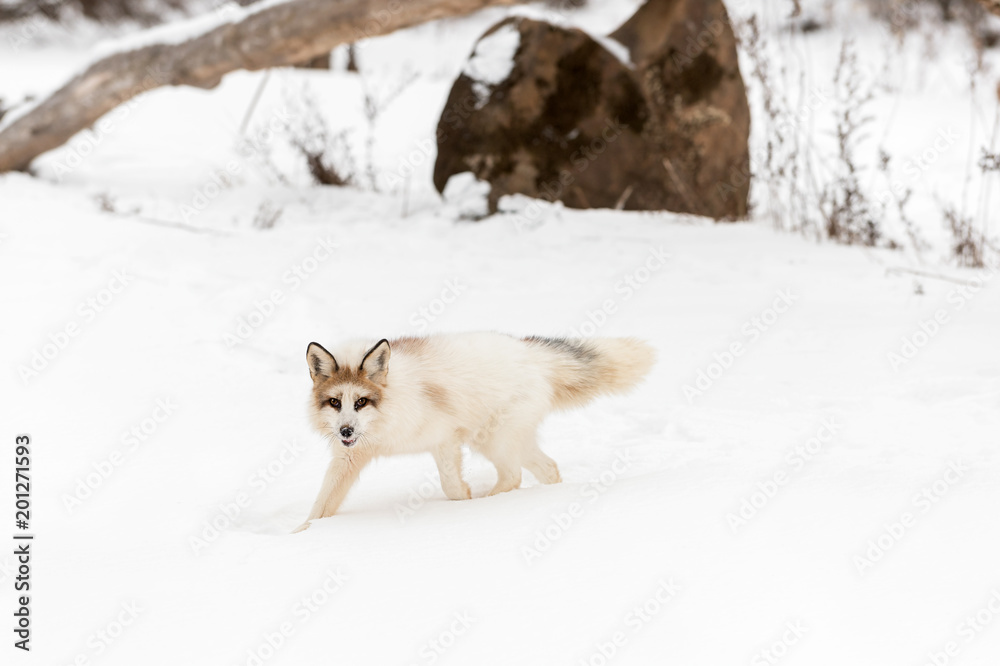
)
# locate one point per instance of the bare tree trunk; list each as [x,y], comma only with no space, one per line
[278,36]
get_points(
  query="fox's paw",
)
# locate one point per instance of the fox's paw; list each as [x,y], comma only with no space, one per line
[301,528]
[505,486]
[461,493]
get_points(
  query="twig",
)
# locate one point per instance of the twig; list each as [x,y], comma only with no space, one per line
[620,204]
[934,276]
[172,225]
[254,101]
[678,183]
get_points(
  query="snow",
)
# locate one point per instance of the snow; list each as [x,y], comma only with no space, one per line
[466,197]
[616,48]
[868,486]
[492,61]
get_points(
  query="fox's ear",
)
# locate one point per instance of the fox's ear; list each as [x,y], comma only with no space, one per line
[376,362]
[322,364]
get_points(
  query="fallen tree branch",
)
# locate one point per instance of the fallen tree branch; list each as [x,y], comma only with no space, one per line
[275,35]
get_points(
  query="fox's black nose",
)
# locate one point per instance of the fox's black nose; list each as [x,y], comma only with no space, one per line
[346,432]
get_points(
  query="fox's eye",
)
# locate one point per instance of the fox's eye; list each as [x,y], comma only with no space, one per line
[360,403]
[335,404]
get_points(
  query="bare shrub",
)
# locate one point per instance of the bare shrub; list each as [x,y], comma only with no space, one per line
[327,156]
[105,202]
[970,246]
[830,193]
[321,167]
[924,18]
[850,215]
[902,199]
[267,215]
[989,161]
[785,157]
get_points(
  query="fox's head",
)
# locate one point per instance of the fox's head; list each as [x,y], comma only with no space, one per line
[346,399]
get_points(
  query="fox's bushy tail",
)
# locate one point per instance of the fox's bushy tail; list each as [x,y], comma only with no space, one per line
[583,368]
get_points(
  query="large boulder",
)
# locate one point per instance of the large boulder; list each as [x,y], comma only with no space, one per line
[655,120]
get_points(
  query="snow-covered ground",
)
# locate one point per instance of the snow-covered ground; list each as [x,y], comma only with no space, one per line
[809,476]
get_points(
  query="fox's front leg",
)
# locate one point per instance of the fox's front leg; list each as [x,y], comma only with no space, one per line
[448,457]
[344,470]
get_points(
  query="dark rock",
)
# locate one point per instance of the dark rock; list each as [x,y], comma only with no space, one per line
[571,122]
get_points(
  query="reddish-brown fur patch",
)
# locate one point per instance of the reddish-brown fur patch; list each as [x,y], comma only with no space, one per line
[407,344]
[438,396]
[368,388]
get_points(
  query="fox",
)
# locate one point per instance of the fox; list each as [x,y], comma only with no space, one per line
[436,393]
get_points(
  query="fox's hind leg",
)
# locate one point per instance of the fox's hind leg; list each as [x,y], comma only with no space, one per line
[448,457]
[508,475]
[544,468]
[504,450]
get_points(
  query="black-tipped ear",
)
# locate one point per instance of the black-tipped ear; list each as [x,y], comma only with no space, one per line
[376,362]
[322,364]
